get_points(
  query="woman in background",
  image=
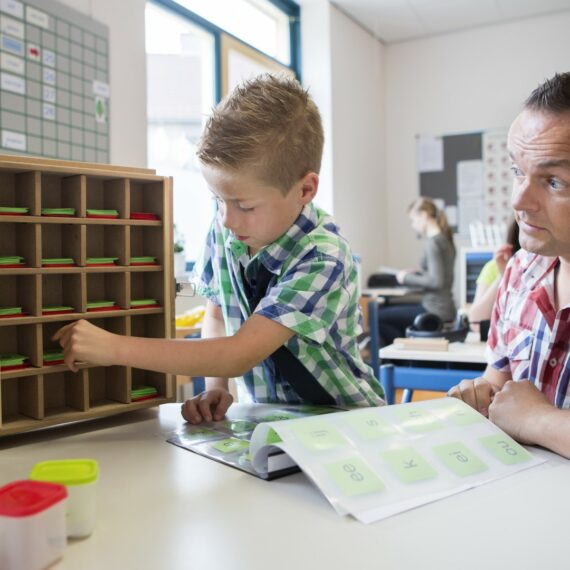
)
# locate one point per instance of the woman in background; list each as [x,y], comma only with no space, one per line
[435,276]
[490,277]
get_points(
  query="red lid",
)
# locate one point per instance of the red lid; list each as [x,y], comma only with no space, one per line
[26,498]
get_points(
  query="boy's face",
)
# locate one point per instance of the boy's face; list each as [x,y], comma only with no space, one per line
[255,212]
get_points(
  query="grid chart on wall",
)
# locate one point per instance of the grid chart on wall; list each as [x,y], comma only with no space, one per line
[54,82]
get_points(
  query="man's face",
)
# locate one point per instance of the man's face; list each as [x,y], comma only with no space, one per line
[255,212]
[539,146]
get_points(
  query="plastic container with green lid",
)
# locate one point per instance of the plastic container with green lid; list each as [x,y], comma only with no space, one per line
[80,477]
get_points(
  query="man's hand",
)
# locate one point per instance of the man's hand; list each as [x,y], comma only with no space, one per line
[207,406]
[518,409]
[478,393]
[82,341]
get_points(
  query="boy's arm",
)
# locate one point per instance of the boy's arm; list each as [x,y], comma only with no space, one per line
[224,357]
[213,327]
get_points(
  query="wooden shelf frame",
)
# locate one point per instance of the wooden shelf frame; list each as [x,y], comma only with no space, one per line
[42,395]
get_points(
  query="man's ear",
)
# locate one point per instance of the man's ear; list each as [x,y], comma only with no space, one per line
[308,186]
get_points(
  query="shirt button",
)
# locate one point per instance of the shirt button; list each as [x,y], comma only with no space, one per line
[553,362]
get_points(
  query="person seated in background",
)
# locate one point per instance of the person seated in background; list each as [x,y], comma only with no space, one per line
[435,276]
[525,388]
[490,277]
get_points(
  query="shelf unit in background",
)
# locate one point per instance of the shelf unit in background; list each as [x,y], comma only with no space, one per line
[44,394]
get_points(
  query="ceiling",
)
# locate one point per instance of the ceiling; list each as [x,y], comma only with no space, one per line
[399,20]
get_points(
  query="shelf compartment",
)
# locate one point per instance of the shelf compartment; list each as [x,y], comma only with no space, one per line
[147,286]
[21,190]
[64,393]
[20,291]
[107,241]
[147,241]
[22,339]
[20,240]
[63,291]
[21,399]
[48,330]
[63,192]
[147,198]
[108,385]
[61,241]
[108,287]
[105,194]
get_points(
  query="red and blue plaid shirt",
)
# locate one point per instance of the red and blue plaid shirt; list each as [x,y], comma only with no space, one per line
[528,337]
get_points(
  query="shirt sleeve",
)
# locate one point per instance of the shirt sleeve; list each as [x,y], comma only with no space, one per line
[204,274]
[488,274]
[309,299]
[433,278]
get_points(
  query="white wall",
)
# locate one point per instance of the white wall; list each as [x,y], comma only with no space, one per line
[342,65]
[466,81]
[127,59]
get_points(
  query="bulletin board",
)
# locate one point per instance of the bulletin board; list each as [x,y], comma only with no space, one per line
[54,82]
[467,173]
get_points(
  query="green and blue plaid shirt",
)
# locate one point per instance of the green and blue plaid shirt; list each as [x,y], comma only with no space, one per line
[313,292]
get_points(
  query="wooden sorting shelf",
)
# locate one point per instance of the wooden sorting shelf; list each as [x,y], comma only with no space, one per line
[44,394]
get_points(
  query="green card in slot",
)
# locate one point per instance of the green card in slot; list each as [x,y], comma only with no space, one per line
[53,354]
[100,304]
[58,261]
[11,260]
[95,212]
[505,449]
[57,309]
[143,259]
[12,359]
[58,211]
[138,391]
[143,302]
[7,311]
[230,445]
[13,210]
[98,260]
[354,477]
[459,458]
[408,465]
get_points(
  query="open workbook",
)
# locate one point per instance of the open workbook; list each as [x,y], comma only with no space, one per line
[372,462]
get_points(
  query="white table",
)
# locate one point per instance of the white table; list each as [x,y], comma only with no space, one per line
[162,507]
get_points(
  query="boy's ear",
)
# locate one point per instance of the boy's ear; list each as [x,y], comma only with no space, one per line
[308,186]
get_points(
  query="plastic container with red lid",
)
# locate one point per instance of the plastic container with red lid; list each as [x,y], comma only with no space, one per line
[32,524]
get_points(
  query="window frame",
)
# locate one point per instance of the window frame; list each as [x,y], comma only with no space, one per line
[288,7]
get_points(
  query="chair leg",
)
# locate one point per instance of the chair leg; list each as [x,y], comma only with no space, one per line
[407,396]
[387,381]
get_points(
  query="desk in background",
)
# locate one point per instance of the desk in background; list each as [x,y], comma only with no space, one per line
[160,506]
[436,370]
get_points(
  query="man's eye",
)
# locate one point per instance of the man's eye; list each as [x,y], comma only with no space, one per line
[556,184]
[244,209]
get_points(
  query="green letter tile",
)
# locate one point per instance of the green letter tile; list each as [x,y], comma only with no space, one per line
[318,434]
[457,412]
[369,425]
[230,445]
[409,465]
[505,449]
[459,459]
[416,419]
[353,477]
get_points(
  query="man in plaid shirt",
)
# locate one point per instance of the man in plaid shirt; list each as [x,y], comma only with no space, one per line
[282,311]
[525,389]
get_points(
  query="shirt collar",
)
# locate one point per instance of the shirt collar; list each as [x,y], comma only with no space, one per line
[538,268]
[274,255]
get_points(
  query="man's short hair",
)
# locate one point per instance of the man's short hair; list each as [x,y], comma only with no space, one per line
[551,96]
[270,125]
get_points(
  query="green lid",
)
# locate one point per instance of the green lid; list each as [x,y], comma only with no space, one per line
[53,354]
[139,302]
[66,471]
[143,259]
[102,259]
[58,211]
[14,210]
[12,359]
[58,260]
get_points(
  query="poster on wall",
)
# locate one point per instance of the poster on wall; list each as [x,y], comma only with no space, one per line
[54,82]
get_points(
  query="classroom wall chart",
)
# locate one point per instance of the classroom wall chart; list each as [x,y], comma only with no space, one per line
[54,82]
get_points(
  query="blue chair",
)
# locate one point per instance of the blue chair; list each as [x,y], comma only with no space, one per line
[409,378]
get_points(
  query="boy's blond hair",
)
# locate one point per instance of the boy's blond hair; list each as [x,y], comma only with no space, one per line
[270,125]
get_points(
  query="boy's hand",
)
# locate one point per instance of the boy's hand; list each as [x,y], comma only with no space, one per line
[82,341]
[478,393]
[208,406]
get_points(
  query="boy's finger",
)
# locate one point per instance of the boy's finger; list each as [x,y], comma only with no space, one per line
[190,412]
[224,403]
[204,403]
[58,334]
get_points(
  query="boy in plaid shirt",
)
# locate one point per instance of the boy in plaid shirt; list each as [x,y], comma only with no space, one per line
[282,314]
[525,389]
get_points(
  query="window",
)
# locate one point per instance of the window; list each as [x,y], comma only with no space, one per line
[191,63]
